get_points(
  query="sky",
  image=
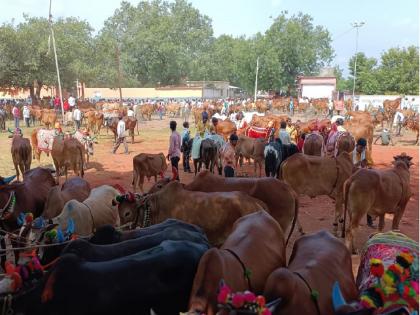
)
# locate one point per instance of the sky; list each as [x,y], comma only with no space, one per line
[388,23]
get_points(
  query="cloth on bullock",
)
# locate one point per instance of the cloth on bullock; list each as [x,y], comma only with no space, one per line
[257,132]
[388,273]
[195,151]
[45,138]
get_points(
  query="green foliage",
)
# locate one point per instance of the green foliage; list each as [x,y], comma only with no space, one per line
[169,42]
[398,72]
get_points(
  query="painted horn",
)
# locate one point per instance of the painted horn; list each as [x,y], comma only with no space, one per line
[337,297]
[7,180]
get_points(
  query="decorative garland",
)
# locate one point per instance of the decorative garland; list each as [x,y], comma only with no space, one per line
[246,301]
[394,286]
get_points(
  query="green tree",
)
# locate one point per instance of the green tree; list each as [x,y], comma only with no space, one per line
[342,83]
[366,74]
[293,46]
[399,71]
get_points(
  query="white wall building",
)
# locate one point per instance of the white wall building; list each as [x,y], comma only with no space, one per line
[316,87]
[409,101]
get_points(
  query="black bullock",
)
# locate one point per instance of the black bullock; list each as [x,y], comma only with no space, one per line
[159,278]
[275,153]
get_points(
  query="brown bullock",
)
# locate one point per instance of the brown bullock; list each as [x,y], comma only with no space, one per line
[314,176]
[173,108]
[281,200]
[74,188]
[130,125]
[95,120]
[147,110]
[49,117]
[317,262]
[391,194]
[250,148]
[253,250]
[225,128]
[215,212]
[29,195]
[314,144]
[362,129]
[390,108]
[147,165]
[21,153]
[413,124]
[68,153]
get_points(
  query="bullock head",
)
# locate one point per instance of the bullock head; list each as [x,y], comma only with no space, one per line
[89,141]
[131,207]
[403,157]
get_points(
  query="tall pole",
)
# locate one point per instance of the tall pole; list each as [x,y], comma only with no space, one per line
[357,26]
[118,52]
[256,81]
[56,66]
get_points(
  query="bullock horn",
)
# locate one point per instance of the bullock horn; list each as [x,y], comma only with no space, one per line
[273,305]
[337,297]
[120,189]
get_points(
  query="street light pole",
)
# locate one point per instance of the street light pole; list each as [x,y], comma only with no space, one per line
[256,81]
[56,64]
[356,25]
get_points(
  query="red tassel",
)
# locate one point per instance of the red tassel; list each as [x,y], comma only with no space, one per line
[174,173]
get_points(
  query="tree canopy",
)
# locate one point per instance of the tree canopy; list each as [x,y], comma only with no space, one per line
[159,42]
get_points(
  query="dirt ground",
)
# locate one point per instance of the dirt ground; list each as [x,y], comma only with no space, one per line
[315,214]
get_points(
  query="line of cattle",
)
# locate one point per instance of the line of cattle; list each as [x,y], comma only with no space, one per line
[191,237]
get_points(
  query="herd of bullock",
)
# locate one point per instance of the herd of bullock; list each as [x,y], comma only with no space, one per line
[210,246]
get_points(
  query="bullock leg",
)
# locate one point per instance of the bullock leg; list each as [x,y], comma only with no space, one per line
[17,170]
[338,214]
[381,224]
[398,216]
[141,183]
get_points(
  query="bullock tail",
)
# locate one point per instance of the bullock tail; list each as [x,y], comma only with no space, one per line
[346,189]
[82,157]
[294,220]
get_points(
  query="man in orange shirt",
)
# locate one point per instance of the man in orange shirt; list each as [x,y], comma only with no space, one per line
[228,156]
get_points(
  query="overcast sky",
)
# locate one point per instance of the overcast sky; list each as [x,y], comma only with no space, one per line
[389,23]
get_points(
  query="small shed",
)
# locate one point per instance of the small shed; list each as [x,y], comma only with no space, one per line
[316,87]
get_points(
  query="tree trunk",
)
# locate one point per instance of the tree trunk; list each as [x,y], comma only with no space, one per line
[83,89]
[38,90]
[32,94]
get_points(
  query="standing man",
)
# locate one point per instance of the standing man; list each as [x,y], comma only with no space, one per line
[120,136]
[330,107]
[283,134]
[291,106]
[398,120]
[174,152]
[72,101]
[77,117]
[186,147]
[16,115]
[26,115]
[228,156]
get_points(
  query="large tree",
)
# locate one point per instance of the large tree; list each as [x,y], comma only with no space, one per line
[366,74]
[293,46]
[399,71]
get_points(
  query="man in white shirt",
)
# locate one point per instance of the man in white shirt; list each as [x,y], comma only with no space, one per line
[72,101]
[26,115]
[77,117]
[120,136]
[130,112]
[398,120]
